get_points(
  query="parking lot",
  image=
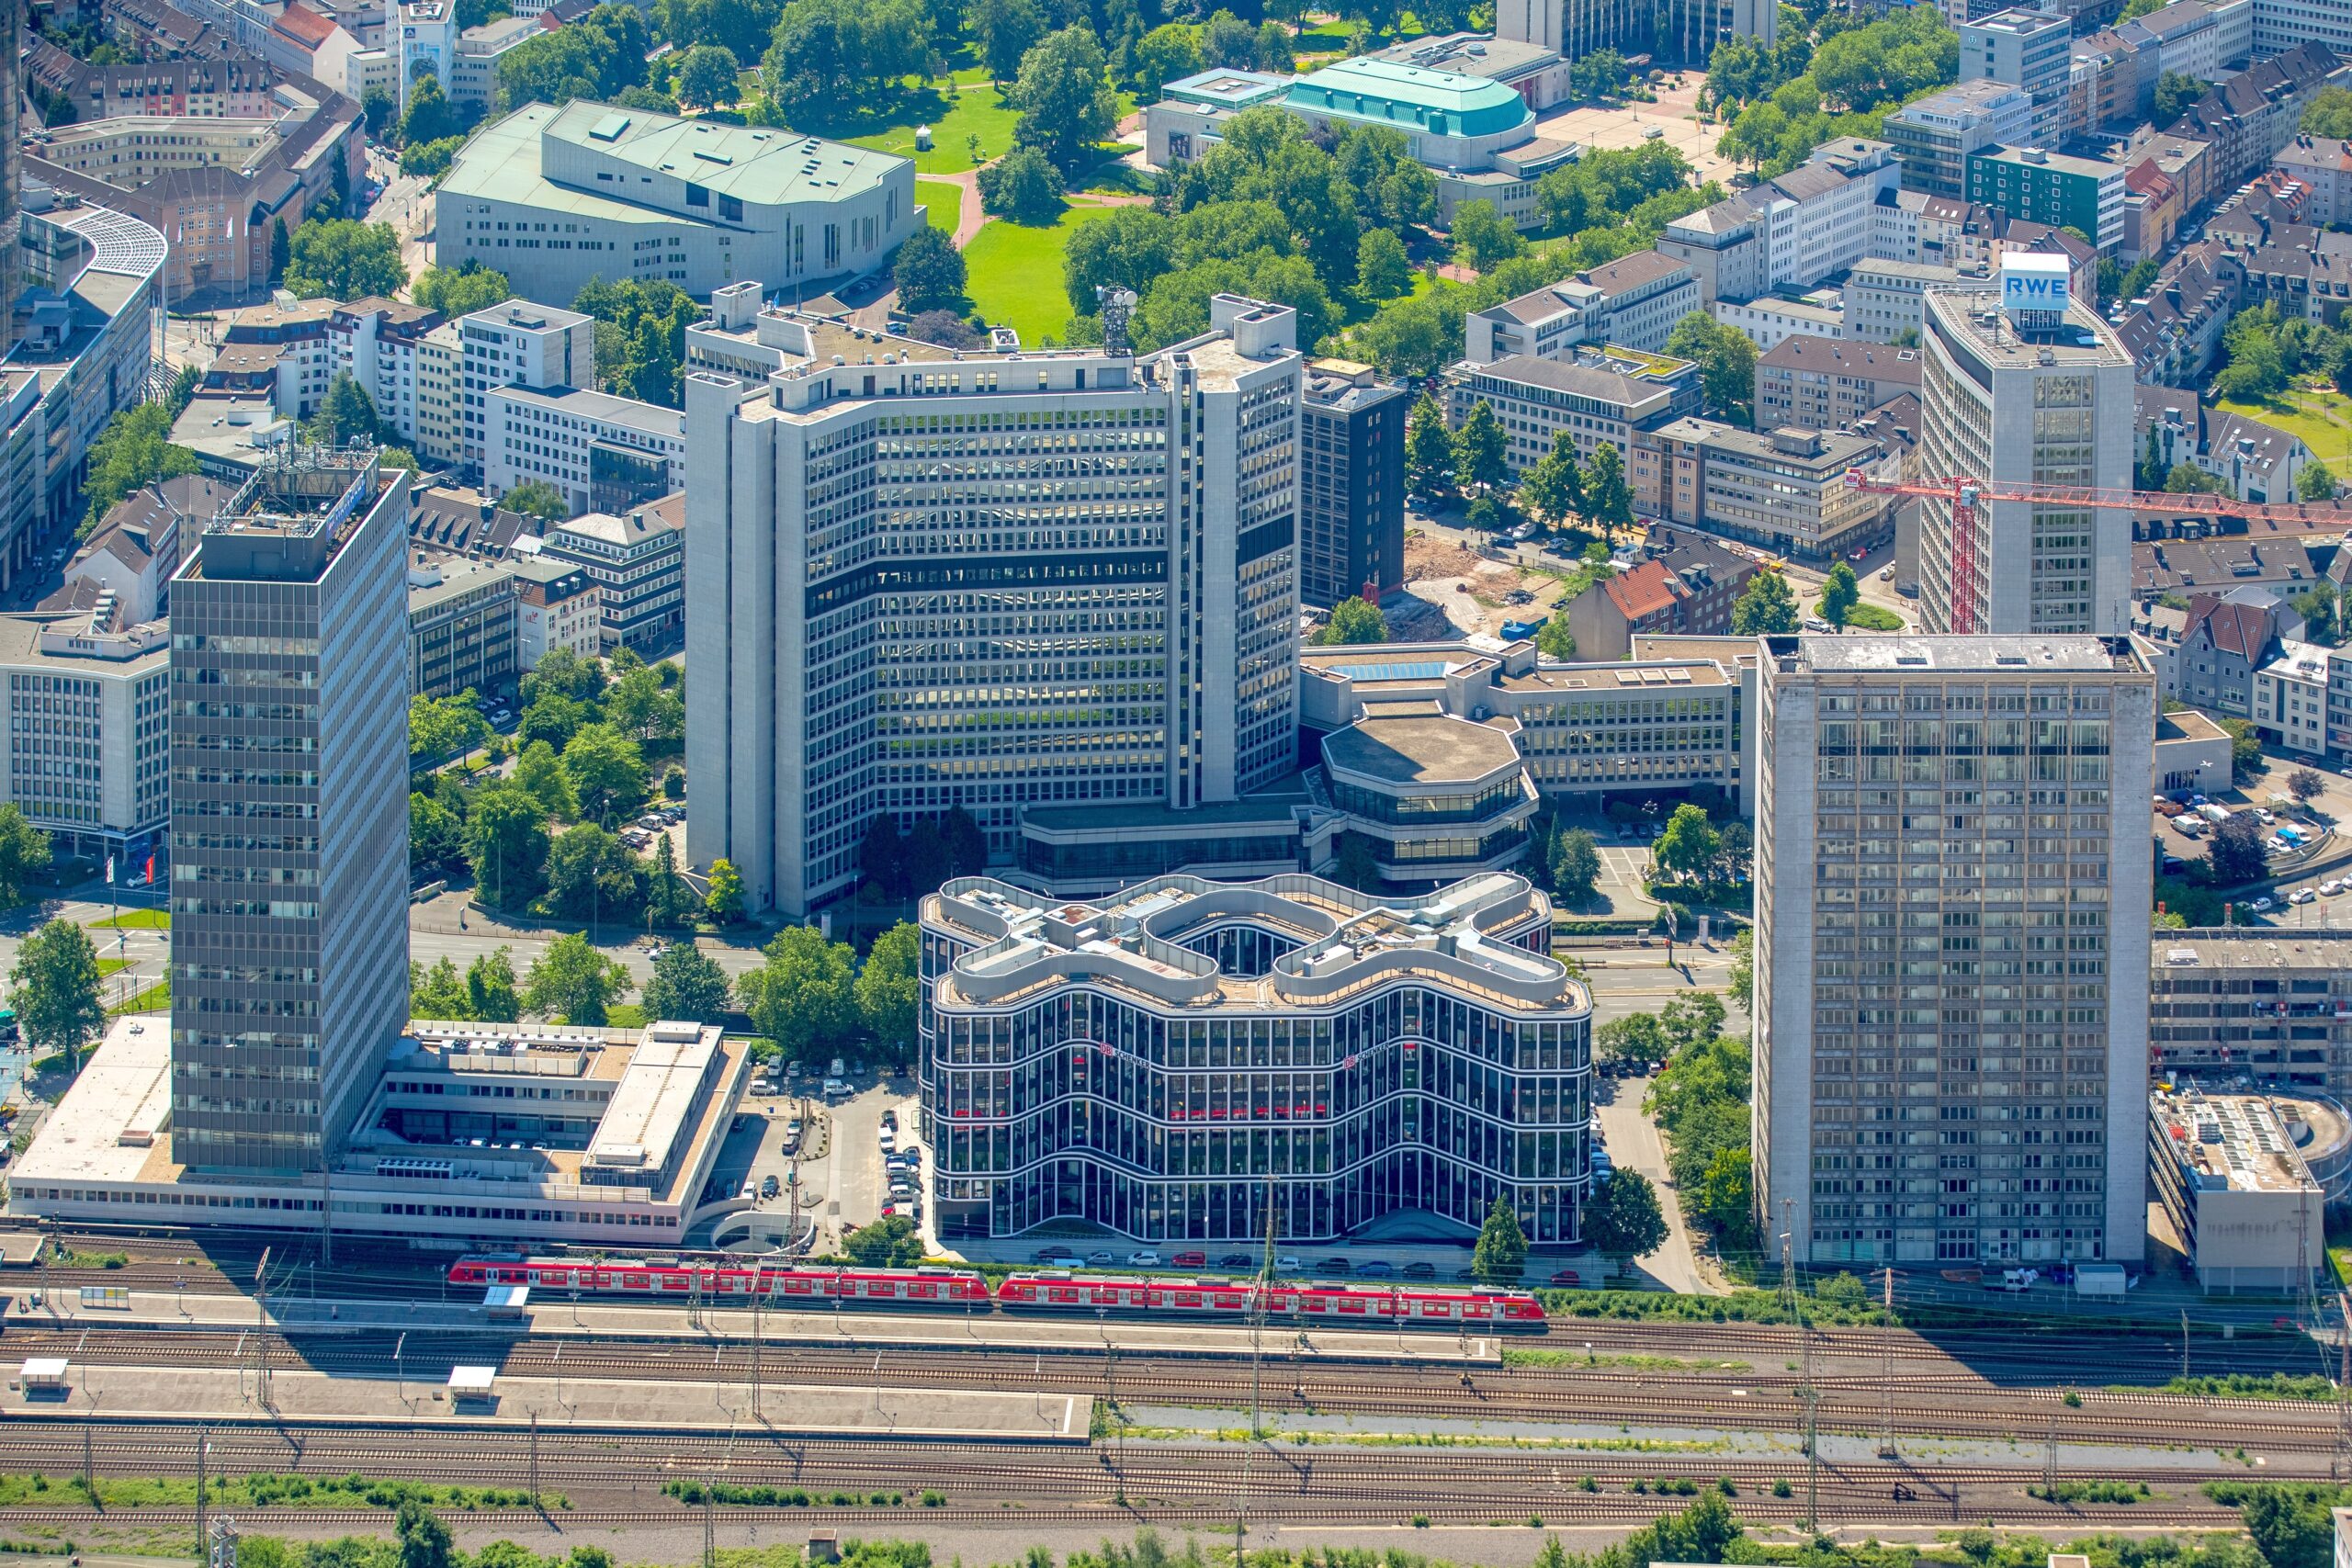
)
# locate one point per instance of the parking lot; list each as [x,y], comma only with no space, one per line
[835,1163]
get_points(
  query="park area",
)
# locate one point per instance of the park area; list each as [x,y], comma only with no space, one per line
[2321,417]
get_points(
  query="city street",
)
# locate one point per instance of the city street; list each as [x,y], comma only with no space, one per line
[1633,1142]
[406,203]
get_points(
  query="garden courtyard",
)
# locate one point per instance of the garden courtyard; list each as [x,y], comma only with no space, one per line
[2320,416]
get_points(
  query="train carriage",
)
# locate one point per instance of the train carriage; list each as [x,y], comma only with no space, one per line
[1053,1291]
[719,1280]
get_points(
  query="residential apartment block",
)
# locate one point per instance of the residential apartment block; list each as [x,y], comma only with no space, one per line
[557,605]
[1936,135]
[2251,115]
[1634,302]
[636,559]
[1882,298]
[1791,231]
[376,341]
[1680,584]
[2065,192]
[1978,801]
[1824,384]
[1596,397]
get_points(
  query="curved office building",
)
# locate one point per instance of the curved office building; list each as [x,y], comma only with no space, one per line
[1166,1062]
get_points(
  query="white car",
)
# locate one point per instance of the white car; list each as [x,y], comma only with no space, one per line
[2301,895]
[1143,1260]
[2331,887]
[2261,904]
[2264,816]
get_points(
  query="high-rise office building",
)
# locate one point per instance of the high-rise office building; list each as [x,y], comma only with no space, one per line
[1414,1059]
[289,812]
[1953,882]
[1351,483]
[12,85]
[935,580]
[2040,393]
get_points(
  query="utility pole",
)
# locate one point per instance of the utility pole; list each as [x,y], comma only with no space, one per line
[2339,1465]
[2050,1462]
[1261,1301]
[2184,1342]
[1805,1392]
[1886,1448]
[709,1523]
[759,1301]
[326,1217]
[203,1443]
[222,1549]
[535,1492]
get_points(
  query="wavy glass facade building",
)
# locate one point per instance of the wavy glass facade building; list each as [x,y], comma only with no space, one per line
[1168,1062]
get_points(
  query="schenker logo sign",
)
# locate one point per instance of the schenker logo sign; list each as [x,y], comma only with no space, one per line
[2033,284]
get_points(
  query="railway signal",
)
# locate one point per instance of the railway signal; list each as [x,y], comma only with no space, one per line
[1965,495]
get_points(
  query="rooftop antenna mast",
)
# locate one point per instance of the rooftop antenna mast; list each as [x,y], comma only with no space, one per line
[1117,305]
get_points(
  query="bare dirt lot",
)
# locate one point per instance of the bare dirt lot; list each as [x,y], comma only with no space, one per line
[1472,592]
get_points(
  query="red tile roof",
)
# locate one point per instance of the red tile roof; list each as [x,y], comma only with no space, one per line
[1644,591]
[305,26]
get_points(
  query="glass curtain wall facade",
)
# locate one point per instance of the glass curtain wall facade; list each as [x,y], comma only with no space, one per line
[1174,1122]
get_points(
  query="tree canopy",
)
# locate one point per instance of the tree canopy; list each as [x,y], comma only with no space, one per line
[340,259]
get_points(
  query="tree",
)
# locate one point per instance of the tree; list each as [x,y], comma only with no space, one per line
[1608,499]
[1689,844]
[134,449]
[724,901]
[1623,1219]
[23,850]
[428,117]
[491,993]
[55,992]
[1553,488]
[346,414]
[1637,1038]
[1128,247]
[686,984]
[804,997]
[424,1539]
[2245,749]
[376,108]
[2305,785]
[1727,361]
[1483,238]
[1741,976]
[1479,449]
[606,770]
[929,272]
[2329,114]
[536,498]
[1354,620]
[1500,1255]
[445,727]
[340,259]
[2174,92]
[1005,30]
[1575,864]
[1840,592]
[460,290]
[1023,186]
[1064,98]
[281,249]
[1765,607]
[668,900]
[1383,272]
[574,982]
[2315,482]
[2237,855]
[1428,448]
[963,848]
[506,839]
[540,774]
[892,1242]
[707,75]
[592,875]
[1553,638]
[889,985]
[438,992]
[2289,1530]
[2188,478]
[436,839]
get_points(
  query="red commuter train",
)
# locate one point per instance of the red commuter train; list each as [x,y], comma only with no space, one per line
[934,1286]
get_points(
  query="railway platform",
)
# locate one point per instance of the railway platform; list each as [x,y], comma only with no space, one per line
[1046,1334]
[233,1393]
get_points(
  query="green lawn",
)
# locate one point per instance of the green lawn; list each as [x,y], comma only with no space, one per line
[888,123]
[1014,273]
[137,919]
[945,198]
[154,999]
[2322,419]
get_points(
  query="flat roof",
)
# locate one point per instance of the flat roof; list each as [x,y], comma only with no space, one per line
[2251,947]
[1433,748]
[765,165]
[648,1112]
[1996,655]
[2227,1143]
[1668,675]
[649,419]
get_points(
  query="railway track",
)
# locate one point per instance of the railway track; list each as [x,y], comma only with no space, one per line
[1943,1407]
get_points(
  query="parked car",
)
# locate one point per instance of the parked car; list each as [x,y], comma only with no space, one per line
[2301,895]
[1188,1260]
[1377,1270]
[1145,1259]
[1567,1277]
[771,1186]
[2261,904]
[1237,1260]
[2331,887]
[2263,816]
[1420,1269]
[1105,1257]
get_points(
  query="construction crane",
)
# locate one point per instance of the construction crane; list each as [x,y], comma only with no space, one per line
[1965,495]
